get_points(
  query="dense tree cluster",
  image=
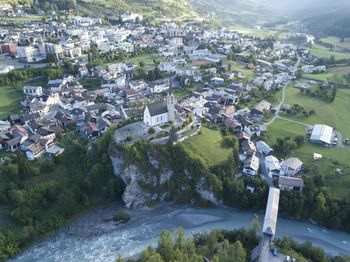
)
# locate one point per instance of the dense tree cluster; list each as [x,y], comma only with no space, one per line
[41,196]
[218,246]
[305,251]
[284,146]
[298,110]
[323,91]
[224,246]
[18,76]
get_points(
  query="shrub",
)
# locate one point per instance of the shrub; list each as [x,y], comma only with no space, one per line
[151,131]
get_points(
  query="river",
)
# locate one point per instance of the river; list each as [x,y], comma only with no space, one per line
[89,238]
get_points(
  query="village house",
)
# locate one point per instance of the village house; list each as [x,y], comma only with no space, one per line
[263,148]
[160,85]
[251,165]
[290,183]
[261,108]
[272,165]
[248,147]
[291,167]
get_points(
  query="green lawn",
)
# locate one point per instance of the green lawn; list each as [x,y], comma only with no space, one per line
[184,92]
[250,74]
[320,77]
[334,71]
[10,98]
[323,52]
[282,128]
[340,70]
[146,58]
[335,41]
[335,114]
[263,33]
[208,145]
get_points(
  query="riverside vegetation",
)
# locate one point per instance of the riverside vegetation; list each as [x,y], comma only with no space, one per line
[223,246]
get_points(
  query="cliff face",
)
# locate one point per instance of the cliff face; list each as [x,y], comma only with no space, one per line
[159,181]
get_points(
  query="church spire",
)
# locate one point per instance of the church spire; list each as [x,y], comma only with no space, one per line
[170,87]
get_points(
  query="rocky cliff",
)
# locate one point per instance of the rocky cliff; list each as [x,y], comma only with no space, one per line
[151,175]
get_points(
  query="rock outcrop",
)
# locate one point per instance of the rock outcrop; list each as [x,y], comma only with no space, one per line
[143,187]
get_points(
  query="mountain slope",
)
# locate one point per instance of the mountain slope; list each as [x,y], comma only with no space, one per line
[171,8]
[335,23]
[241,12]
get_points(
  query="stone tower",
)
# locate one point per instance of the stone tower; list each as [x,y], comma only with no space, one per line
[171,102]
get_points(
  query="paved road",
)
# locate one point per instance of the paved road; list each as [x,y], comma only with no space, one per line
[283,97]
[293,121]
[18,65]
[264,174]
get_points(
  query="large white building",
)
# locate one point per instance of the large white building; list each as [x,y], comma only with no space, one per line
[86,21]
[321,134]
[162,112]
[26,53]
[33,90]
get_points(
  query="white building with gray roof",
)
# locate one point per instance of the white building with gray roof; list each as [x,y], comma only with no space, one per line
[321,134]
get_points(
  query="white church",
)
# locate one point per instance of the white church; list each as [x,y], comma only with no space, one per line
[162,112]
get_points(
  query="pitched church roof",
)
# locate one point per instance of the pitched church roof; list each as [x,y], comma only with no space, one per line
[157,108]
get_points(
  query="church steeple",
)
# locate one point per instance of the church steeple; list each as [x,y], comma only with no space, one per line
[171,101]
[170,92]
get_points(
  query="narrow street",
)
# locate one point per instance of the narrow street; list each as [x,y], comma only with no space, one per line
[283,96]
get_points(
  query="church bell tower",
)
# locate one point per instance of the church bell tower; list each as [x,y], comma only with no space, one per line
[171,102]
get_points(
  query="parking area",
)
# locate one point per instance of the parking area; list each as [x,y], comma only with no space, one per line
[133,133]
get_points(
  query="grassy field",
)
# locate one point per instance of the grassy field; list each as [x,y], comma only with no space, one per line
[334,71]
[10,98]
[208,145]
[263,33]
[319,77]
[146,58]
[334,114]
[250,74]
[323,52]
[184,92]
[335,41]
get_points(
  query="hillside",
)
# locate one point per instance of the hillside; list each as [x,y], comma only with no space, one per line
[230,12]
[335,23]
[157,8]
[239,12]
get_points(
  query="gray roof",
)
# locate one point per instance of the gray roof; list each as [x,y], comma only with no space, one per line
[292,162]
[262,106]
[290,181]
[157,108]
[271,213]
[322,133]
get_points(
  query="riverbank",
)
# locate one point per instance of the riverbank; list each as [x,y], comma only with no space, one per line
[89,238]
